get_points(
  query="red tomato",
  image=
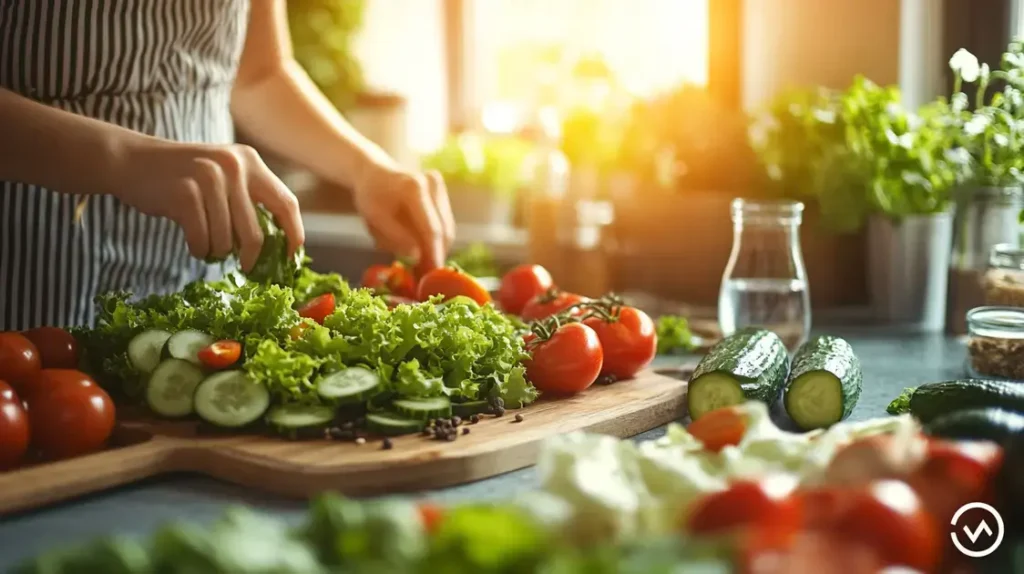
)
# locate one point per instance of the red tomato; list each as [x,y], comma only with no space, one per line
[221,354]
[629,339]
[394,279]
[522,284]
[57,348]
[14,433]
[890,517]
[811,552]
[718,428]
[768,503]
[431,515]
[70,415]
[449,283]
[19,359]
[47,381]
[549,303]
[954,474]
[318,308]
[568,362]
[823,506]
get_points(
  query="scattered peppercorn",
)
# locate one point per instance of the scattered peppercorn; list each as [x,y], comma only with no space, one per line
[456,421]
[360,440]
[450,437]
[499,412]
[519,418]
[606,379]
[386,444]
[465,430]
[474,419]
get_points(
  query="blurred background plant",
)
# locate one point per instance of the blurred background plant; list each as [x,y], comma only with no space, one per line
[322,33]
[482,162]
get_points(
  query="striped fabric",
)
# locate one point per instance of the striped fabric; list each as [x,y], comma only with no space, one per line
[161,67]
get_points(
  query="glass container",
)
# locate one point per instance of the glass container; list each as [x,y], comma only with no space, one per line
[995,343]
[1003,283]
[765,283]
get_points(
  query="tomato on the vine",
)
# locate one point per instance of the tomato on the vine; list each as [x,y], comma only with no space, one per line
[766,503]
[394,279]
[550,302]
[630,341]
[220,355]
[450,282]
[69,414]
[318,308]
[719,428]
[19,359]
[567,362]
[14,428]
[522,284]
[57,348]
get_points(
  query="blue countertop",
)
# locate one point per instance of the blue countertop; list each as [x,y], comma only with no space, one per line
[891,361]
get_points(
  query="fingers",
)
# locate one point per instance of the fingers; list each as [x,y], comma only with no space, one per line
[269,190]
[214,181]
[246,228]
[192,219]
[427,224]
[392,235]
[439,193]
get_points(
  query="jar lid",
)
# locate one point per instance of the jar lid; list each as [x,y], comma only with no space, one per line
[1006,256]
[1000,322]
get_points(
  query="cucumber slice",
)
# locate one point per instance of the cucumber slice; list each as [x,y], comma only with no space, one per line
[298,417]
[144,350]
[716,390]
[470,408]
[751,364]
[815,400]
[824,383]
[423,409]
[352,384]
[172,387]
[231,399]
[391,424]
[185,345]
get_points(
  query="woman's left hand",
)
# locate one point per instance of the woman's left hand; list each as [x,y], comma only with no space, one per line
[407,213]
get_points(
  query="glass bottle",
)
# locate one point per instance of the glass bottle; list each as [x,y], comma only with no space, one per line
[765,283]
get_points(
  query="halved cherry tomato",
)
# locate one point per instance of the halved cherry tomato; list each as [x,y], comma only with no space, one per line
[449,283]
[629,339]
[719,428]
[890,517]
[394,279]
[69,414]
[318,308]
[766,503]
[568,362]
[14,434]
[431,515]
[550,302]
[19,359]
[522,284]
[57,348]
[220,355]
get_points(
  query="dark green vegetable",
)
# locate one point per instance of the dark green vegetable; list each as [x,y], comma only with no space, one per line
[977,424]
[932,400]
[901,404]
[824,383]
[1009,493]
[751,364]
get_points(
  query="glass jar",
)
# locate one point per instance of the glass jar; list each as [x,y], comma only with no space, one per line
[1003,283]
[765,283]
[995,343]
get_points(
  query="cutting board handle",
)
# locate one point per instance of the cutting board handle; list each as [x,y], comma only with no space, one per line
[41,484]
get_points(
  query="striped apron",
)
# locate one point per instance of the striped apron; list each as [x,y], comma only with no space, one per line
[160,67]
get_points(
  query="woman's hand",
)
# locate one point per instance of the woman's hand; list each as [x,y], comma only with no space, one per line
[210,191]
[407,212]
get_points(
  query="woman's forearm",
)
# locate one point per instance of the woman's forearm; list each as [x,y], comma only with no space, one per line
[287,114]
[59,150]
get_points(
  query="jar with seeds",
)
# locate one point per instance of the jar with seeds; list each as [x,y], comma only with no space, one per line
[1003,282]
[995,343]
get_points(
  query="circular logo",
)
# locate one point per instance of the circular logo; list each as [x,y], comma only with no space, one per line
[979,533]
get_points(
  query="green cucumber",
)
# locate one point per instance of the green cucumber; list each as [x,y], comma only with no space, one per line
[470,408]
[230,399]
[932,400]
[185,345]
[824,383]
[977,424]
[299,421]
[424,409]
[171,389]
[145,350]
[750,364]
[392,424]
[350,385]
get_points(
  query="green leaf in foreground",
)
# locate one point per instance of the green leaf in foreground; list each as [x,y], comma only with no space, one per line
[901,404]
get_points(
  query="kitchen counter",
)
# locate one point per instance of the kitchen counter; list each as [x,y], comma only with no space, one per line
[891,361]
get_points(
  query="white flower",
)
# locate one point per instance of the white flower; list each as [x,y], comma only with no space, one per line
[959,102]
[984,71]
[965,64]
[976,125]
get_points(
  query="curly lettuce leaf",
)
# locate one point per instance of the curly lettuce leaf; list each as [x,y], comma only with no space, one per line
[288,374]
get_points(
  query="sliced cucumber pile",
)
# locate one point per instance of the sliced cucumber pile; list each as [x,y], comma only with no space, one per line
[824,383]
[298,418]
[348,385]
[424,409]
[172,386]
[393,424]
[185,345]
[231,399]
[145,349]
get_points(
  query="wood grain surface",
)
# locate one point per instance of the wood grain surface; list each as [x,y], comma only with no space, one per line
[495,445]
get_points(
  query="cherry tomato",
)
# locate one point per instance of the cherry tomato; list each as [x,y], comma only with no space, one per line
[19,359]
[318,308]
[890,517]
[220,355]
[719,428]
[767,503]
[953,474]
[822,506]
[550,302]
[70,415]
[629,340]
[394,279]
[568,362]
[431,515]
[522,284]
[57,348]
[449,283]
[14,435]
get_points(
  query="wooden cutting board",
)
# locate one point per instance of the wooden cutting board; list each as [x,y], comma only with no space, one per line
[302,468]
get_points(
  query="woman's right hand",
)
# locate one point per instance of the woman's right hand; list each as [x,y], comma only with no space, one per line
[211,192]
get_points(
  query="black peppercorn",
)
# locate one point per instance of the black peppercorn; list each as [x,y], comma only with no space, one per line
[465,430]
[474,419]
[386,444]
[450,437]
[499,412]
[456,421]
